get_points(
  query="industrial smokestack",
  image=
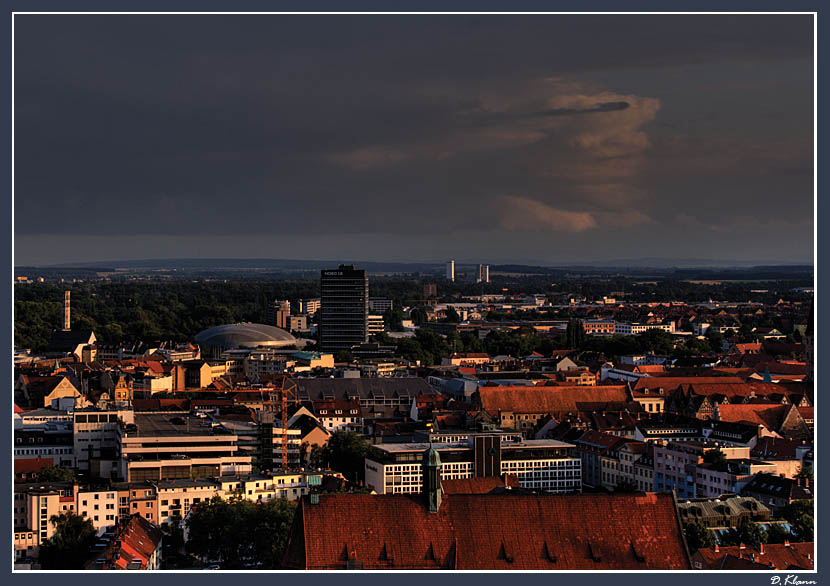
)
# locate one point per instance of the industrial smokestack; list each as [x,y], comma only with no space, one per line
[66,311]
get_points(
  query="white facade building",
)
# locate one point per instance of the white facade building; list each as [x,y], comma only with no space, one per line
[544,465]
[633,328]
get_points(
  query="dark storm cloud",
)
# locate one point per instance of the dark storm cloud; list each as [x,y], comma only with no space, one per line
[606,107]
[330,126]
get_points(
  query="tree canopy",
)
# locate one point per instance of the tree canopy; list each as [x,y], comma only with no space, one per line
[345,452]
[239,533]
[70,547]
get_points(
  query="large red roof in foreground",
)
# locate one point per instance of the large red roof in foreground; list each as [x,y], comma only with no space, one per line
[489,532]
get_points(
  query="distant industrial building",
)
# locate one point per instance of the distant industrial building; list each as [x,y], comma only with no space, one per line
[451,270]
[344,308]
[483,275]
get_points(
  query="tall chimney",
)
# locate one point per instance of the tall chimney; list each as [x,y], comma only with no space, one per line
[66,311]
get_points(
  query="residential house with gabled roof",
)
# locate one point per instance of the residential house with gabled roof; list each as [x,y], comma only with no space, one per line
[521,407]
[776,491]
[42,391]
[765,557]
[593,448]
[781,420]
[136,545]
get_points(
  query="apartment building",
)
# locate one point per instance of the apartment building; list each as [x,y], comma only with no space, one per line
[633,328]
[175,445]
[176,497]
[676,467]
[99,506]
[599,327]
[97,441]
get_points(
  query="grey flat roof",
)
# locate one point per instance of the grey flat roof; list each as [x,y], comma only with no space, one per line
[158,424]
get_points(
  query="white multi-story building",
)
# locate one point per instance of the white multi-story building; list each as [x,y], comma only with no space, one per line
[97,441]
[99,506]
[265,361]
[544,465]
[374,324]
[379,304]
[309,306]
[632,328]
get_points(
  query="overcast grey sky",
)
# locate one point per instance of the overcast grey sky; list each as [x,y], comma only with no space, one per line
[502,138]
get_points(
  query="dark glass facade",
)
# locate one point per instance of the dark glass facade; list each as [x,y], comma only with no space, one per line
[344,308]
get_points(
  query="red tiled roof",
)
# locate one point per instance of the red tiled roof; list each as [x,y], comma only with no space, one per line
[670,383]
[781,556]
[598,438]
[132,548]
[770,417]
[549,399]
[749,347]
[505,531]
[774,448]
[345,405]
[806,412]
[776,368]
[31,465]
[479,485]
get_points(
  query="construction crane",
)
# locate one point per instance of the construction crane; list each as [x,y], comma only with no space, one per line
[283,393]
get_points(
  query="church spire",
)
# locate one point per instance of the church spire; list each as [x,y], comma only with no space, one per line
[432,478]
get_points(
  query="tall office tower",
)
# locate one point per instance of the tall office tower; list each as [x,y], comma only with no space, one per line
[451,270]
[486,273]
[480,274]
[344,308]
[278,313]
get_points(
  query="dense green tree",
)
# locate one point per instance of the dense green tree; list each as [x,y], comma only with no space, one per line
[746,532]
[343,356]
[717,459]
[575,334]
[451,316]
[239,533]
[715,340]
[57,474]
[70,547]
[626,486]
[346,452]
[800,516]
[699,536]
[777,534]
[393,320]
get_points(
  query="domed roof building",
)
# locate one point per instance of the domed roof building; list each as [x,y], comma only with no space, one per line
[217,339]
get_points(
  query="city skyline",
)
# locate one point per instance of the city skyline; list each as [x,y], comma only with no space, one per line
[538,139]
